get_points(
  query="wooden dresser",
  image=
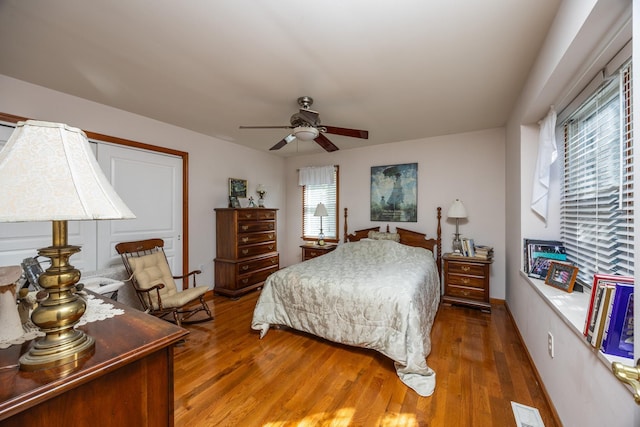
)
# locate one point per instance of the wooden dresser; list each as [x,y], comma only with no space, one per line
[466,281]
[246,249]
[128,381]
[312,250]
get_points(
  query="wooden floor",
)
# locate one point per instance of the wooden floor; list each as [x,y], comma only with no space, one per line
[225,375]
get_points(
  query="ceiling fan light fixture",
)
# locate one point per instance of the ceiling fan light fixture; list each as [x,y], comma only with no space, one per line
[305,133]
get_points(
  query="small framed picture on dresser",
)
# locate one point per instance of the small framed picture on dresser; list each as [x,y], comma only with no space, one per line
[238,188]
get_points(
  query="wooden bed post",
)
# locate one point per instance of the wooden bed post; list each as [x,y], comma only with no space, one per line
[346,227]
[439,242]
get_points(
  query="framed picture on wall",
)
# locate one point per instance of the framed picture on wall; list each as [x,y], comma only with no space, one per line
[238,188]
[394,193]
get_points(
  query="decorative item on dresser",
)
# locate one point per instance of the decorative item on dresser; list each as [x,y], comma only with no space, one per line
[246,249]
[311,250]
[466,281]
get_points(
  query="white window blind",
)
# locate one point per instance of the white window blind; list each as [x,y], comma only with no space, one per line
[312,194]
[597,192]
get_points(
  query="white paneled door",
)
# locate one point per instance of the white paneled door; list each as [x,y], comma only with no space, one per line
[151,185]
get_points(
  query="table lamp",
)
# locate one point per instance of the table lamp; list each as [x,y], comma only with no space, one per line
[261,190]
[457,211]
[321,211]
[49,173]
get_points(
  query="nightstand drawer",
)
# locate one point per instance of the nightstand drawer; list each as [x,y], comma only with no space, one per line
[466,268]
[469,281]
[477,294]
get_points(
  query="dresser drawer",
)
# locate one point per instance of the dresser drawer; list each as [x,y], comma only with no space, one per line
[263,248]
[257,264]
[253,226]
[256,215]
[253,278]
[251,238]
[469,281]
[465,292]
[466,268]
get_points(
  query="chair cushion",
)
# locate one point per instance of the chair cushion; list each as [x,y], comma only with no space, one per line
[150,270]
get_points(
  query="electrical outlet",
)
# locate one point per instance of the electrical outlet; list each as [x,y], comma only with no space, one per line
[550,345]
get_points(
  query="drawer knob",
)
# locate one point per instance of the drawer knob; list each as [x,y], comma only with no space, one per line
[245,251]
[465,280]
[465,268]
[245,281]
[313,253]
[248,215]
[270,246]
[465,293]
[270,236]
[273,261]
[245,239]
[245,227]
[245,267]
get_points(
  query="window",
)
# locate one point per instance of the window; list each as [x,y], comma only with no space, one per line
[312,194]
[597,192]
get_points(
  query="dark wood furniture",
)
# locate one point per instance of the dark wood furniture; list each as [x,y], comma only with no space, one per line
[312,250]
[127,381]
[466,281]
[407,237]
[246,249]
[162,299]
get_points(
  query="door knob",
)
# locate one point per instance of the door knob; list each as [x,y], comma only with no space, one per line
[629,375]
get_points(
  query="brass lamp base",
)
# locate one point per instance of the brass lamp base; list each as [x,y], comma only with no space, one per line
[60,311]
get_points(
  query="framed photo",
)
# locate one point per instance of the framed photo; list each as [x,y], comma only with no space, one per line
[540,267]
[562,276]
[394,193]
[234,202]
[238,188]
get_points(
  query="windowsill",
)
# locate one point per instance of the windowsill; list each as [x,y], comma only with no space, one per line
[572,309]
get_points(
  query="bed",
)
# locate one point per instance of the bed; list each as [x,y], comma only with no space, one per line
[371,291]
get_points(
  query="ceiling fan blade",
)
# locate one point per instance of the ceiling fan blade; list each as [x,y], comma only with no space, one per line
[284,141]
[355,133]
[324,142]
[265,127]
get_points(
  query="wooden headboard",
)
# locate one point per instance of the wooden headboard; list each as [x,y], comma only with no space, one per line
[407,237]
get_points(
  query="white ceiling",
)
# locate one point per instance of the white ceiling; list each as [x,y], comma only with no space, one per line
[402,70]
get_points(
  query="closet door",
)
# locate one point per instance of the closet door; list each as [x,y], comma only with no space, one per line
[151,185]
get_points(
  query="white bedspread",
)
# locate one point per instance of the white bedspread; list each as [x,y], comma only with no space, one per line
[374,294]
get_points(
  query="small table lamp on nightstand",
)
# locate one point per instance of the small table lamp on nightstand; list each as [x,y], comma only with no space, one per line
[457,211]
[321,211]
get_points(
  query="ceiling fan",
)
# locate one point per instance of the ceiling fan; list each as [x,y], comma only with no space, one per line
[305,125]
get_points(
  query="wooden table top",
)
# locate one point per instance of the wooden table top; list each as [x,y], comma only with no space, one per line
[120,340]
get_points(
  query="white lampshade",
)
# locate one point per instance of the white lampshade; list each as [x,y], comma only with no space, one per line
[457,210]
[321,210]
[48,172]
[305,133]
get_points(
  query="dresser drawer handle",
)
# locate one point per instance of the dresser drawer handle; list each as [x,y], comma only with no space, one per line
[313,253]
[245,281]
[273,261]
[270,236]
[271,226]
[465,280]
[245,227]
[245,251]
[466,293]
[248,215]
[245,239]
[465,268]
[270,246]
[245,267]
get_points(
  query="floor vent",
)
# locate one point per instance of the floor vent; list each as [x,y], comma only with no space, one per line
[526,416]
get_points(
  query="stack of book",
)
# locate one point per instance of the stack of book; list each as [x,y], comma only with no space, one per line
[609,322]
[470,249]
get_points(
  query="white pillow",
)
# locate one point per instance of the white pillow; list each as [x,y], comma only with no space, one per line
[379,235]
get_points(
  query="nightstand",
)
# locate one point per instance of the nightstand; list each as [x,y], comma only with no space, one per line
[466,281]
[312,250]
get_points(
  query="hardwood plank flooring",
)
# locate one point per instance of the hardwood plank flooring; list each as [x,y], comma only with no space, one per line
[226,376]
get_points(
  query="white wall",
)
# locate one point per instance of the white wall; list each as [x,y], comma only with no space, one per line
[467,166]
[581,387]
[211,161]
